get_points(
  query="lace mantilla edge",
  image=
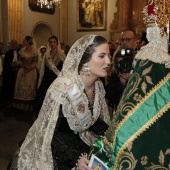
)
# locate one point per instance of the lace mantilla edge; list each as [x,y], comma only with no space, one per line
[155,55]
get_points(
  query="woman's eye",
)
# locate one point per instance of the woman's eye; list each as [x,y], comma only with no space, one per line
[101,56]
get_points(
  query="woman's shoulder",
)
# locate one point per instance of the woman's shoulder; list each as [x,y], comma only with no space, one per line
[62,84]
[21,50]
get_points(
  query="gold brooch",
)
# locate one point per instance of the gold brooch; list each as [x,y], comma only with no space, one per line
[81,107]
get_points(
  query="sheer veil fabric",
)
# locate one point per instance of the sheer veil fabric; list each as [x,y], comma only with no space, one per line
[35,152]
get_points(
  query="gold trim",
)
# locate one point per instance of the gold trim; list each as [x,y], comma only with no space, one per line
[137,134]
[147,125]
[156,117]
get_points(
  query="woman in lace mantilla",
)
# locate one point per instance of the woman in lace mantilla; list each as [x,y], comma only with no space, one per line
[66,126]
[51,66]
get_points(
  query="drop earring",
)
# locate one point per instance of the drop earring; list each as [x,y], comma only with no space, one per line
[85,70]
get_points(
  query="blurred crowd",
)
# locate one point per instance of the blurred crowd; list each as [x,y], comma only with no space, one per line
[24,68]
[26,71]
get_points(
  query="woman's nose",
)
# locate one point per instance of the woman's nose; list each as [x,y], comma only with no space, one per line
[108,59]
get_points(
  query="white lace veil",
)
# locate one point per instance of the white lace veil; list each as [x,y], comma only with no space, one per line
[70,67]
[35,152]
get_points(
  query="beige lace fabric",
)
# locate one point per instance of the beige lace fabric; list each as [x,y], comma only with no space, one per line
[35,152]
[157,48]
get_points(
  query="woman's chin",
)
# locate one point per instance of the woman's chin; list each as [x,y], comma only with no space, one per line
[104,75]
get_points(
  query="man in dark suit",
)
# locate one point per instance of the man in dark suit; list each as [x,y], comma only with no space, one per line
[9,73]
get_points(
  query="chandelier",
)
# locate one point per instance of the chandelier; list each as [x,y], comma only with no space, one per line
[49,4]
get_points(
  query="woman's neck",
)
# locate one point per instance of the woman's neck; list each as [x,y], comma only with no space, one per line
[89,82]
[53,52]
[28,48]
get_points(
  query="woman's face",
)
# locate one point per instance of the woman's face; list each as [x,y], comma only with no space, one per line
[43,51]
[100,61]
[53,43]
[25,42]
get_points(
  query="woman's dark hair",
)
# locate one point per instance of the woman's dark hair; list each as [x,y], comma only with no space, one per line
[53,37]
[98,40]
[29,39]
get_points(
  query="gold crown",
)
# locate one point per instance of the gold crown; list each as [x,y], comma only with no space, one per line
[157,13]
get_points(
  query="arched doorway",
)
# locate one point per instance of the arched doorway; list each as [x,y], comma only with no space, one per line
[41,33]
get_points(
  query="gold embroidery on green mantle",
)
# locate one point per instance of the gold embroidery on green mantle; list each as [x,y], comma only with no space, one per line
[146,126]
[128,158]
[161,158]
[148,79]
[127,106]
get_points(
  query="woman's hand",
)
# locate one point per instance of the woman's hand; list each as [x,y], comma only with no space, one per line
[83,163]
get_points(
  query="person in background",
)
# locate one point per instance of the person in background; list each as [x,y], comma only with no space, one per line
[127,40]
[138,139]
[111,48]
[50,68]
[138,42]
[116,44]
[74,112]
[118,79]
[10,69]
[42,50]
[64,47]
[144,39]
[67,48]
[26,81]
[2,48]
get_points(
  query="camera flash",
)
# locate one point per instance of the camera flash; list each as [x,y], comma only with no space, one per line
[128,51]
[123,52]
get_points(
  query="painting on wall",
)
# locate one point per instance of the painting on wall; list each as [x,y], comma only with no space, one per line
[37,7]
[91,15]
